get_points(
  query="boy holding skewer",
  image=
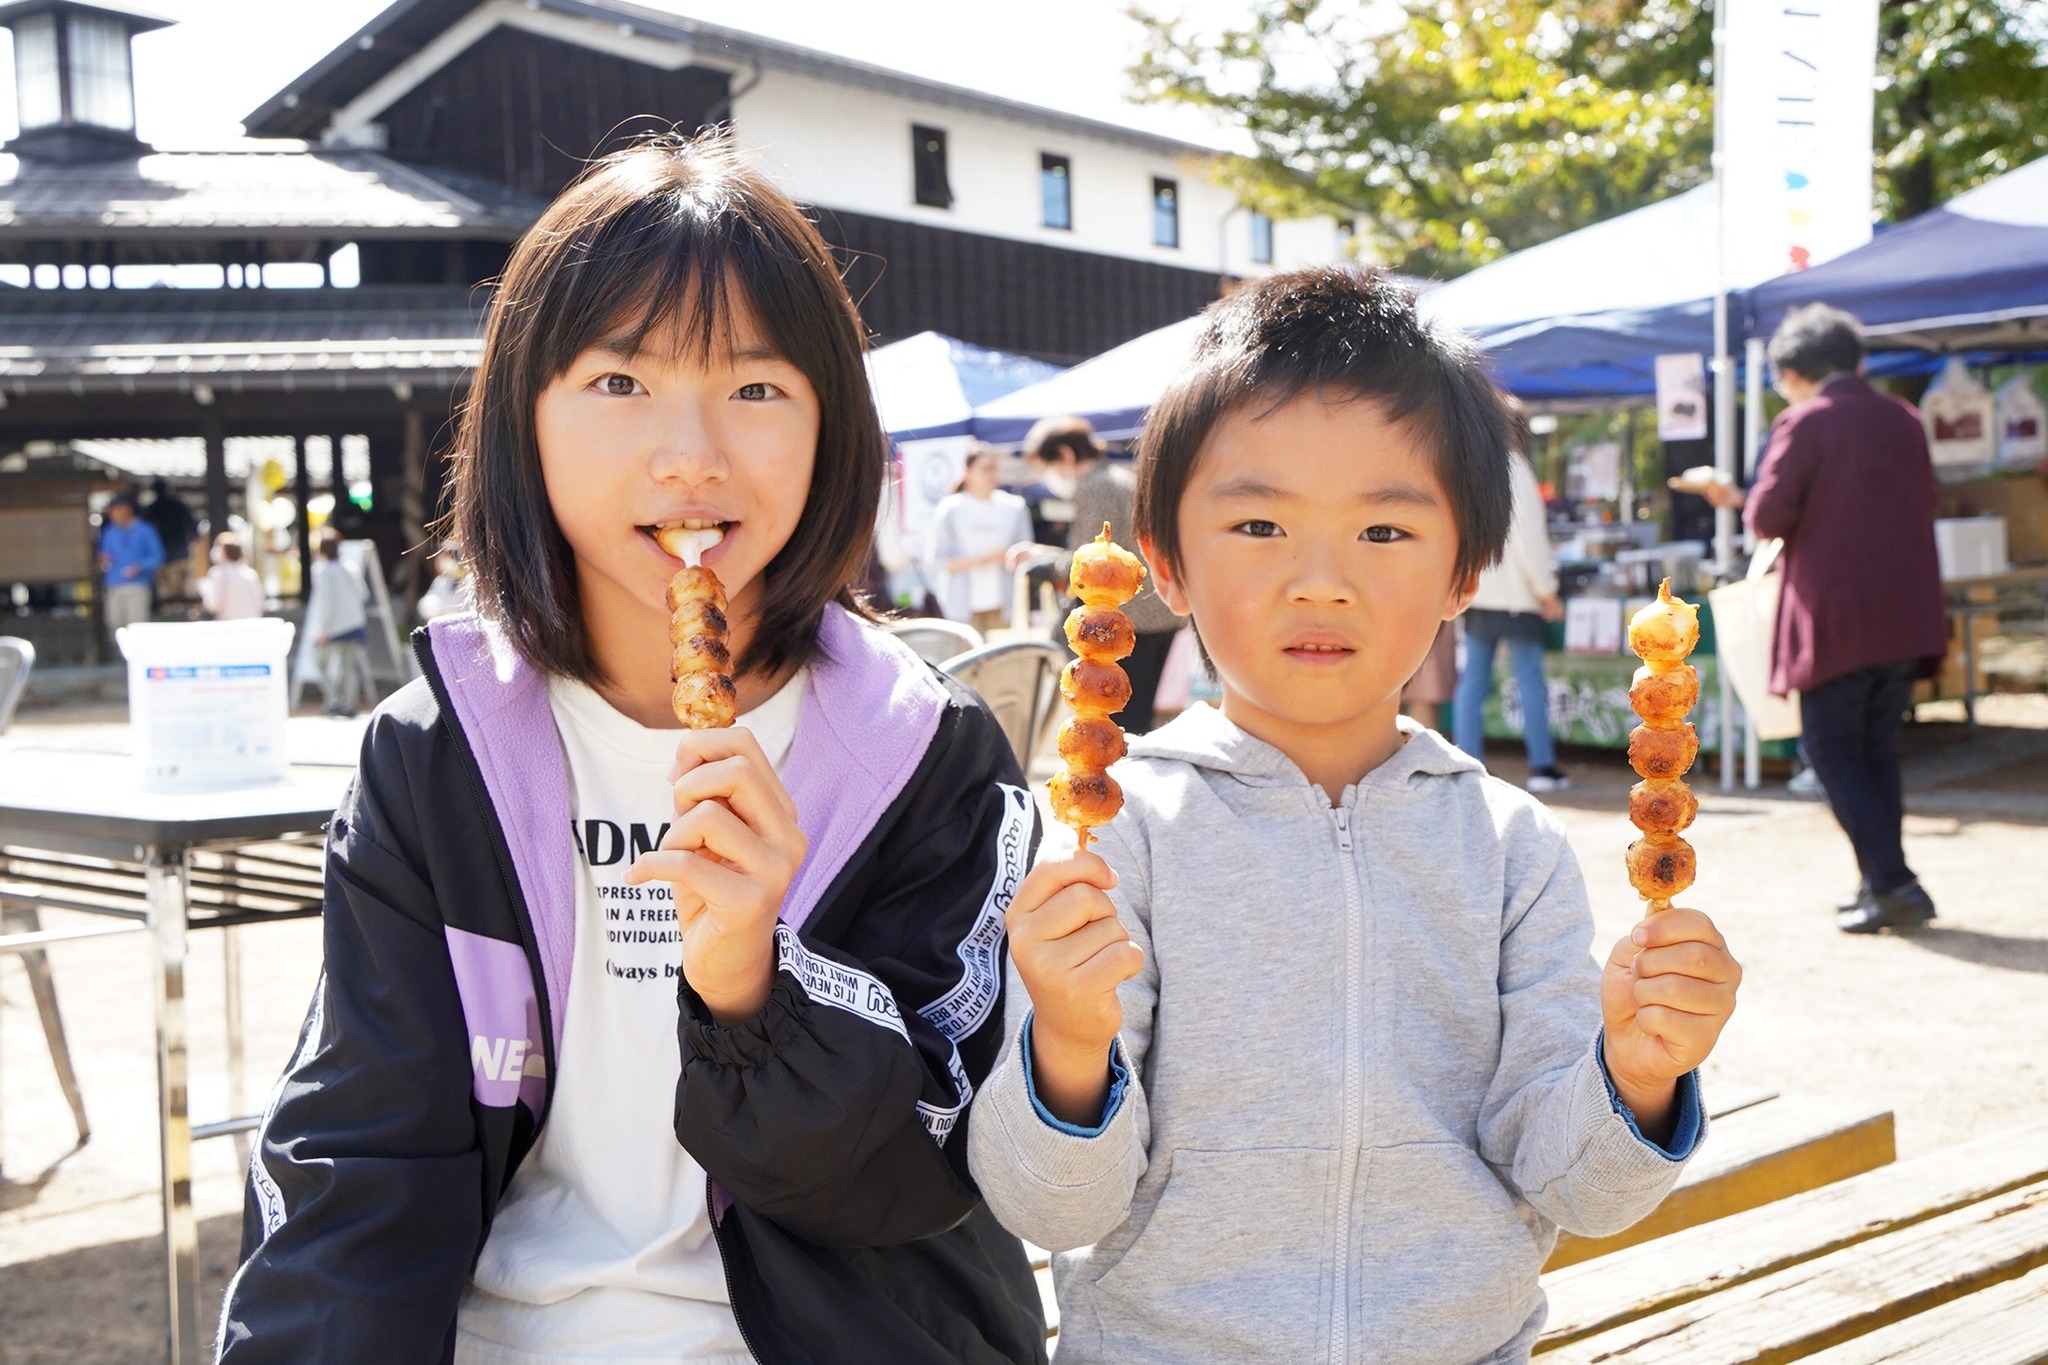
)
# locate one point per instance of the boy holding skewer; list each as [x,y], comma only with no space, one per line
[1319,1060]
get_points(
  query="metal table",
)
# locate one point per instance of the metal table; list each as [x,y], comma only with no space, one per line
[77,833]
[2006,594]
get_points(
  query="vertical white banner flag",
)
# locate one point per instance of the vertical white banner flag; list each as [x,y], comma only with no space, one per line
[1799,93]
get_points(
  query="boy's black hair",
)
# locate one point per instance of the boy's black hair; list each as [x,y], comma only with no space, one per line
[659,237]
[1348,331]
[1817,341]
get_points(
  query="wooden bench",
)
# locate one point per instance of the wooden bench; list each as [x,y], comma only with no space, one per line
[1763,1148]
[1908,1259]
[1760,1150]
[2004,1325]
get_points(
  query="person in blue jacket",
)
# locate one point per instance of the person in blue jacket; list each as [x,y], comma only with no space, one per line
[130,554]
[637,1043]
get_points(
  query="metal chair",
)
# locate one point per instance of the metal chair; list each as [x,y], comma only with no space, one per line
[17,657]
[935,638]
[1020,681]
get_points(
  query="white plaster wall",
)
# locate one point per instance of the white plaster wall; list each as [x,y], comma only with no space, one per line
[848,148]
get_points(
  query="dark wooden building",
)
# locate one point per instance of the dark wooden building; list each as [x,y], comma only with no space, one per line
[335,288]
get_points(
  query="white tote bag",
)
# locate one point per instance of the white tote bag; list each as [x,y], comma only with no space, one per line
[1745,632]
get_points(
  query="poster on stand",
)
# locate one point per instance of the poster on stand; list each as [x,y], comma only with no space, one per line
[1682,397]
[1593,472]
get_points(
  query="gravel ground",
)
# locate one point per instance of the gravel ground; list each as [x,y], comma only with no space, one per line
[1943,1026]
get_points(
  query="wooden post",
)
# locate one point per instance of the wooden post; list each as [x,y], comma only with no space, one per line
[412,501]
[302,492]
[213,430]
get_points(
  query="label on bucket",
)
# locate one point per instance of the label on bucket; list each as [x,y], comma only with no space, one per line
[205,724]
[210,671]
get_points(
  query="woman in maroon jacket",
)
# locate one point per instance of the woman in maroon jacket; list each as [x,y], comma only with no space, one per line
[1848,484]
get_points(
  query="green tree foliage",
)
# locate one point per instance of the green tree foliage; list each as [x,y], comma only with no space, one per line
[1963,97]
[1456,132]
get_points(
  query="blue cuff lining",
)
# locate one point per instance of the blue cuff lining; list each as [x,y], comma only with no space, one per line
[1119,1078]
[1685,1134]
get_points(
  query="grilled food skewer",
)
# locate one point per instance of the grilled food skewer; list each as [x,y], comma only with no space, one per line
[1661,865]
[700,651]
[1104,577]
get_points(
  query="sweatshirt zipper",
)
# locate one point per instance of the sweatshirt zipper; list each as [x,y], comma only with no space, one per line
[1347,1162]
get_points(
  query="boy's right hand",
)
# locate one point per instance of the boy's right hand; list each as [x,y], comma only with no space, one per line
[1072,952]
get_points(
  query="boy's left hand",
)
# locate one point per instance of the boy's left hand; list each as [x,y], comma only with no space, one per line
[730,854]
[1666,994]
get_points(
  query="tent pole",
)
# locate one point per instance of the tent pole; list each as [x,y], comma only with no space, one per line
[1752,452]
[1724,369]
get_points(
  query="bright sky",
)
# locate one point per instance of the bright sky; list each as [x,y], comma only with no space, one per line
[196,80]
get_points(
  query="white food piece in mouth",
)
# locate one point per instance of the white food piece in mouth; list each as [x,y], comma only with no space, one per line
[688,540]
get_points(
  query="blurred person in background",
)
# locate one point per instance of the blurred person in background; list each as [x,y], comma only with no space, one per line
[1436,682]
[176,527]
[447,594]
[1848,484]
[231,591]
[338,620]
[1516,602]
[130,553]
[1072,463]
[973,528]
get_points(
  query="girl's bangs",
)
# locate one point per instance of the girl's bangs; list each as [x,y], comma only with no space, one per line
[660,276]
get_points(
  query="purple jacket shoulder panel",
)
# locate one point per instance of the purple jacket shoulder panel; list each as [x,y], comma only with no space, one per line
[503,1018]
[501,706]
[870,712]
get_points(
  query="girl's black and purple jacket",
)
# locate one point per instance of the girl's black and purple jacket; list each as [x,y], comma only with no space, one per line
[832,1124]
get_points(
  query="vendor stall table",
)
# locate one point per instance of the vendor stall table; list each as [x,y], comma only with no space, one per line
[77,833]
[1589,695]
[2014,592]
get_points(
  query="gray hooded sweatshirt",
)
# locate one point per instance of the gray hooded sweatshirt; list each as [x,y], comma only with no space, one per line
[1359,1085]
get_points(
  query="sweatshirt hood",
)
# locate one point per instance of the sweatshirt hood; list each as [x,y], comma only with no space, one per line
[1202,736]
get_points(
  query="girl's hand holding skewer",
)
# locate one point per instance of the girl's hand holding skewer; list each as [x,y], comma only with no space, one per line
[731,853]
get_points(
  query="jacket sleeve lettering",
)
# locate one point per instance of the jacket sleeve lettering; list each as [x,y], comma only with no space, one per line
[858,1072]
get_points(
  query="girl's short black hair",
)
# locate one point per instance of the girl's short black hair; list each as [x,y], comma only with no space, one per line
[1334,329]
[655,238]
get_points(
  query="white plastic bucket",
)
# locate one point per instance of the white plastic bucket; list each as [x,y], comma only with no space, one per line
[206,700]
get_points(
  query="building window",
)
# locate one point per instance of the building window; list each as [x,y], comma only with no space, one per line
[1165,212]
[928,158]
[1262,239]
[102,92]
[38,83]
[1056,190]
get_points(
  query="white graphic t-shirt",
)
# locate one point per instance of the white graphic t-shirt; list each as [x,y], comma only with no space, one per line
[602,1247]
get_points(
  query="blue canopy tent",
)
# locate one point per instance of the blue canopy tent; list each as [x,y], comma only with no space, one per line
[1113,391]
[929,385]
[1972,274]
[1579,320]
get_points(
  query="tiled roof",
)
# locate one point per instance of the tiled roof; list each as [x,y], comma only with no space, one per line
[405,27]
[107,340]
[325,193]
